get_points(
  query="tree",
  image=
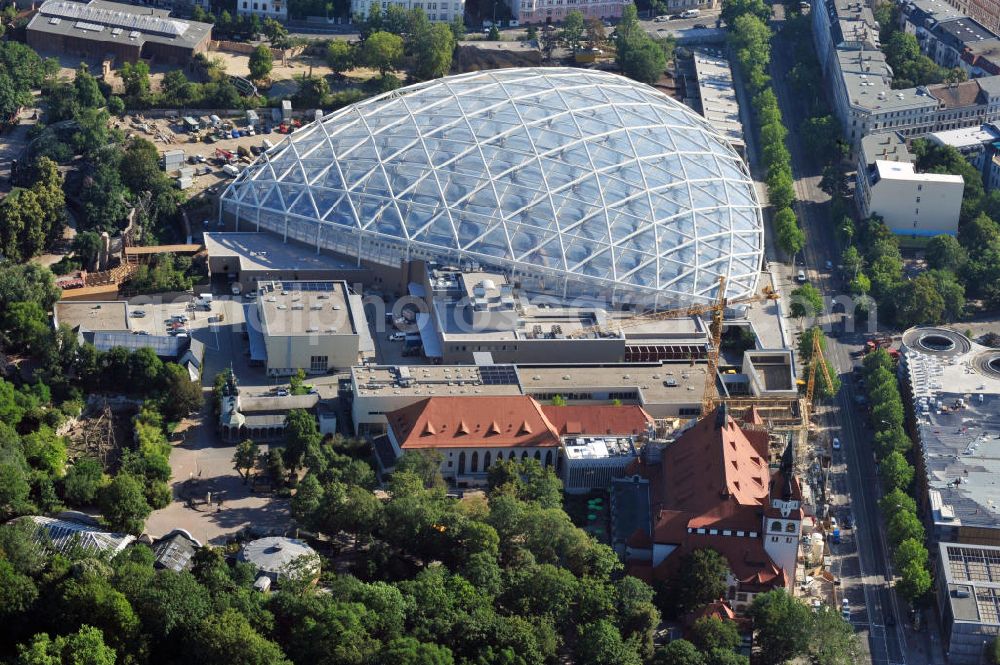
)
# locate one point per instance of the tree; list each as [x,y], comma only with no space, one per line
[229,638]
[301,434]
[261,62]
[339,56]
[12,96]
[274,31]
[904,525]
[382,51]
[600,643]
[87,247]
[944,252]
[457,27]
[88,94]
[891,440]
[432,47]
[642,60]
[103,198]
[424,464]
[181,395]
[494,34]
[919,302]
[896,472]
[296,382]
[711,632]
[908,552]
[679,652]
[409,651]
[596,35]
[701,579]
[783,625]
[84,647]
[833,640]
[573,29]
[807,301]
[733,9]
[312,90]
[788,235]
[124,505]
[82,482]
[245,458]
[952,293]
[896,501]
[915,581]
[22,234]
[135,77]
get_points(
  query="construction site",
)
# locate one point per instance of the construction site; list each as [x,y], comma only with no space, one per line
[101,430]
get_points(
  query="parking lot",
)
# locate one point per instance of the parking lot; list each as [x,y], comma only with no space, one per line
[169,134]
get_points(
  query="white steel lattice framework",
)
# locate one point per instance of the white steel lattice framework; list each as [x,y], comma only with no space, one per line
[576,182]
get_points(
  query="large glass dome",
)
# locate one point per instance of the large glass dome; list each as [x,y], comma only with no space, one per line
[576,182]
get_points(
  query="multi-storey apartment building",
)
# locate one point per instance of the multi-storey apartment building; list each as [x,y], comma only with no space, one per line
[436,10]
[846,41]
[554,11]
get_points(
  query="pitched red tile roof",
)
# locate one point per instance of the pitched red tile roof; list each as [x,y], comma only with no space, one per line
[627,419]
[461,422]
[715,476]
[718,609]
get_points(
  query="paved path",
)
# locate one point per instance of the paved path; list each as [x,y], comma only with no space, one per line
[204,464]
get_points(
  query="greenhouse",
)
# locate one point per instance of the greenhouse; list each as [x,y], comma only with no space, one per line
[576,183]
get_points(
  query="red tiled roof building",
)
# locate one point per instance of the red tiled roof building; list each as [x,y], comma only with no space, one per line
[713,488]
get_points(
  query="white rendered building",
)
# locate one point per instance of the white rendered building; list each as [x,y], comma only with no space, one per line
[436,10]
[911,203]
[276,9]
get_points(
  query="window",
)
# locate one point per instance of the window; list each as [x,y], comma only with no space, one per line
[918,199]
[318,363]
[255,6]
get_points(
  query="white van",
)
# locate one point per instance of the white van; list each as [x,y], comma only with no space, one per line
[691,13]
[230,170]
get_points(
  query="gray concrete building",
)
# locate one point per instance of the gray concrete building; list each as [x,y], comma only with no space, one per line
[99,29]
[968,595]
[953,385]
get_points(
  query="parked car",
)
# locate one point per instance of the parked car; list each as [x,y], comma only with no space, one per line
[801,277]
[836,443]
[700,26]
[396,336]
[138,313]
[281,392]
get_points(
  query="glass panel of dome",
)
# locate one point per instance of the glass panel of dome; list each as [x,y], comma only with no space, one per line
[603,156]
[548,256]
[302,204]
[594,229]
[598,265]
[616,190]
[439,232]
[273,200]
[494,243]
[577,252]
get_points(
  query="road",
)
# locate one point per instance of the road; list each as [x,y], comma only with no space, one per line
[863,558]
[299,29]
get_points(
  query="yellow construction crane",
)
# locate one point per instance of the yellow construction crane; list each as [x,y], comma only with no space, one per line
[816,360]
[717,310]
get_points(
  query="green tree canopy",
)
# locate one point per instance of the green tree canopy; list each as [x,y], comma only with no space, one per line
[382,51]
[782,623]
[124,505]
[261,62]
